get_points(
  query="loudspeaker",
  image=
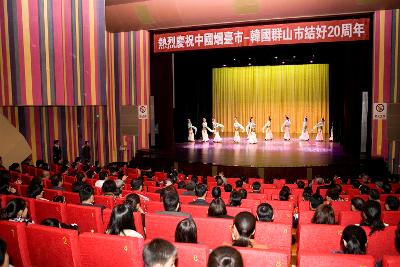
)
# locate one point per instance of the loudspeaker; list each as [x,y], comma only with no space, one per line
[393,121]
[128,120]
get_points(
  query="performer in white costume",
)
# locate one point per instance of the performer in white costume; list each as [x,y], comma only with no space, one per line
[331,135]
[251,131]
[204,133]
[319,126]
[304,131]
[286,129]
[217,127]
[192,131]
[237,126]
[268,132]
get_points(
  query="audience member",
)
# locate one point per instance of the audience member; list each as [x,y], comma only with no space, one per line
[4,258]
[243,193]
[186,231]
[216,192]
[52,222]
[103,176]
[265,213]
[244,226]
[284,193]
[225,256]
[59,199]
[110,189]
[80,181]
[315,201]
[5,186]
[56,182]
[256,187]
[301,185]
[239,184]
[172,206]
[307,193]
[374,195]
[387,188]
[86,196]
[357,204]
[392,203]
[217,209]
[354,240]
[36,191]
[181,185]
[235,199]
[219,181]
[122,222]
[159,253]
[16,210]
[324,214]
[201,192]
[371,216]
[228,188]
[364,190]
[332,194]
[190,187]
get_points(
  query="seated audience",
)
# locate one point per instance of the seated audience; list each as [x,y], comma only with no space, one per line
[371,216]
[324,214]
[5,186]
[4,258]
[59,199]
[244,180]
[181,185]
[216,192]
[354,240]
[357,204]
[315,201]
[225,256]
[239,184]
[256,188]
[186,231]
[201,193]
[228,188]
[392,203]
[307,193]
[364,190]
[121,178]
[15,167]
[284,193]
[159,253]
[333,194]
[374,195]
[217,209]
[110,189]
[219,181]
[86,196]
[36,191]
[80,180]
[244,227]
[52,222]
[387,188]
[265,213]
[243,193]
[301,185]
[172,206]
[235,199]
[190,187]
[56,182]
[122,222]
[133,200]
[103,176]
[16,210]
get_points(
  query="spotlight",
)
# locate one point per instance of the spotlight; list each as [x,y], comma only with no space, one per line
[276,57]
[249,64]
[311,61]
[283,62]
[224,65]
[294,56]
[249,58]
[234,59]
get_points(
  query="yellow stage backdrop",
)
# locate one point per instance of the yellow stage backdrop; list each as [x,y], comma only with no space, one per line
[260,91]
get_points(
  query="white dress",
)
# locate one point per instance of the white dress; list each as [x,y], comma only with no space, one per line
[237,126]
[268,132]
[286,130]
[251,130]
[304,132]
[191,128]
[331,136]
[217,127]
[204,133]
[319,126]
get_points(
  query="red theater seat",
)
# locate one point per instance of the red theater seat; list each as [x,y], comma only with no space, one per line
[261,197]
[29,203]
[339,206]
[89,219]
[281,205]
[26,179]
[391,261]
[193,255]
[13,234]
[319,238]
[48,209]
[162,226]
[50,246]
[274,235]
[103,250]
[212,231]
[304,205]
[391,217]
[153,196]
[154,206]
[282,216]
[306,216]
[381,242]
[263,257]
[50,194]
[334,260]
[71,198]
[67,187]
[186,199]
[107,202]
[349,217]
[250,203]
[195,210]
[232,211]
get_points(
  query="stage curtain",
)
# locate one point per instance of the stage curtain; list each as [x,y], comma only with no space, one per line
[260,91]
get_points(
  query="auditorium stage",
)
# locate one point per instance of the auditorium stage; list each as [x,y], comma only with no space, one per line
[280,157]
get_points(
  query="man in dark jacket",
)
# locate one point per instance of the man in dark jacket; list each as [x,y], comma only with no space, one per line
[85,152]
[201,192]
[57,152]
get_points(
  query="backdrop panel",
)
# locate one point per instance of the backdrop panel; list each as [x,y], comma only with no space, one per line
[260,91]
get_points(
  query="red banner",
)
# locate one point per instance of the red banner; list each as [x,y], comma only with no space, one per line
[273,34]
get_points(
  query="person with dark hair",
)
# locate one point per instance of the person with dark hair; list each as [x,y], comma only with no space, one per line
[57,152]
[122,222]
[16,210]
[109,189]
[387,188]
[225,256]
[219,180]
[256,187]
[216,192]
[239,184]
[243,193]
[235,199]
[228,188]
[56,182]
[265,213]
[85,152]
[36,191]
[194,179]
[4,257]
[307,193]
[120,181]
[284,194]
[172,206]
[15,167]
[59,199]
[392,203]
[315,201]
[371,216]
[357,204]
[86,196]
[52,222]
[159,253]
[5,186]
[190,187]
[354,240]
[103,176]
[80,181]
[244,226]
[364,190]
[374,195]
[137,184]
[133,200]
[324,214]
[356,184]
[186,231]
[201,192]
[333,194]
[301,185]
[217,209]
[181,185]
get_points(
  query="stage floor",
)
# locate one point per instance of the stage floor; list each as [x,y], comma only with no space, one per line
[275,153]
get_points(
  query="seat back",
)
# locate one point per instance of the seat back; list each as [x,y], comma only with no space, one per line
[71,198]
[319,238]
[233,211]
[89,219]
[162,226]
[50,193]
[390,261]
[14,235]
[107,202]
[381,242]
[339,206]
[250,203]
[391,217]
[213,231]
[281,205]
[349,217]
[334,260]
[194,255]
[186,199]
[195,210]
[48,209]
[306,216]
[264,257]
[274,235]
[109,250]
[154,206]
[63,243]
[304,205]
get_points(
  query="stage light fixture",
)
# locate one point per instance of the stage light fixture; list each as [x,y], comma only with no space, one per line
[249,58]
[276,57]
[249,64]
[224,65]
[311,61]
[234,59]
[283,62]
[294,56]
